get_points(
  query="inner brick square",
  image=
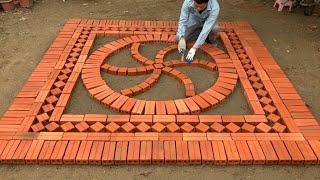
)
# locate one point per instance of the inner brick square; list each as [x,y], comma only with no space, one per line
[36,128]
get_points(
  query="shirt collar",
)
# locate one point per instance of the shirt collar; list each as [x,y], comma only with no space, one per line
[208,5]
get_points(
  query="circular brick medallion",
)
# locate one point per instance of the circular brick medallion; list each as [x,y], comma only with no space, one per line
[124,100]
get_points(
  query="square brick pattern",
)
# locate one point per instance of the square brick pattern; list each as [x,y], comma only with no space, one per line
[34,130]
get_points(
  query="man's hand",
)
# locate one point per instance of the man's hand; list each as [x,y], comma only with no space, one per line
[182,46]
[190,55]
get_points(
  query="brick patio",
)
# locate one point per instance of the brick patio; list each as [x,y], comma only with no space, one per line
[281,129]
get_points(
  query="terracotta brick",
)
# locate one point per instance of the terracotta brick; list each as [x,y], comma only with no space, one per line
[194,108]
[97,127]
[277,127]
[209,119]
[231,127]
[21,152]
[237,119]
[71,152]
[281,151]
[269,108]
[257,152]
[157,152]
[308,154]
[120,156]
[194,152]
[244,152]
[210,99]
[139,107]
[297,157]
[137,119]
[52,126]
[248,128]
[201,127]
[37,127]
[82,126]
[262,127]
[121,119]
[160,107]
[191,119]
[112,127]
[170,156]
[186,127]
[164,119]
[58,152]
[133,152]
[181,107]
[128,127]
[108,154]
[171,107]
[67,127]
[158,127]
[128,105]
[101,136]
[219,152]
[269,152]
[34,150]
[146,152]
[182,152]
[206,152]
[96,152]
[84,152]
[217,127]
[255,119]
[274,118]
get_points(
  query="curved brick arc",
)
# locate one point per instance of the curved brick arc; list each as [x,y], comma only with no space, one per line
[193,103]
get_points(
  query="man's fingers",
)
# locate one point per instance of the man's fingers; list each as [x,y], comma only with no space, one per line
[189,58]
[181,50]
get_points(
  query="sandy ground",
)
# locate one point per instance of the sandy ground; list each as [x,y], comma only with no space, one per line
[292,38]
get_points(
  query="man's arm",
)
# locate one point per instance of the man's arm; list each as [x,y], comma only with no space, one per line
[208,25]
[184,16]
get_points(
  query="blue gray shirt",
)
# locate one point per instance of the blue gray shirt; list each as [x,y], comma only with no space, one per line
[191,17]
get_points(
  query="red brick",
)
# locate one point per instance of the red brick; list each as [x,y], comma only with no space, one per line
[217,127]
[297,157]
[262,127]
[58,152]
[257,152]
[71,152]
[270,154]
[231,127]
[150,107]
[182,152]
[194,152]
[133,152]
[170,152]
[137,119]
[181,107]
[219,152]
[146,152]
[108,153]
[96,152]
[281,151]
[244,152]
[171,107]
[231,152]
[120,156]
[157,152]
[308,154]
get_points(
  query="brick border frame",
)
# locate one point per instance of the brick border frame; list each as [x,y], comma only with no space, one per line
[300,145]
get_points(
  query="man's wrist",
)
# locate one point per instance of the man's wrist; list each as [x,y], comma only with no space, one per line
[194,47]
[180,36]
